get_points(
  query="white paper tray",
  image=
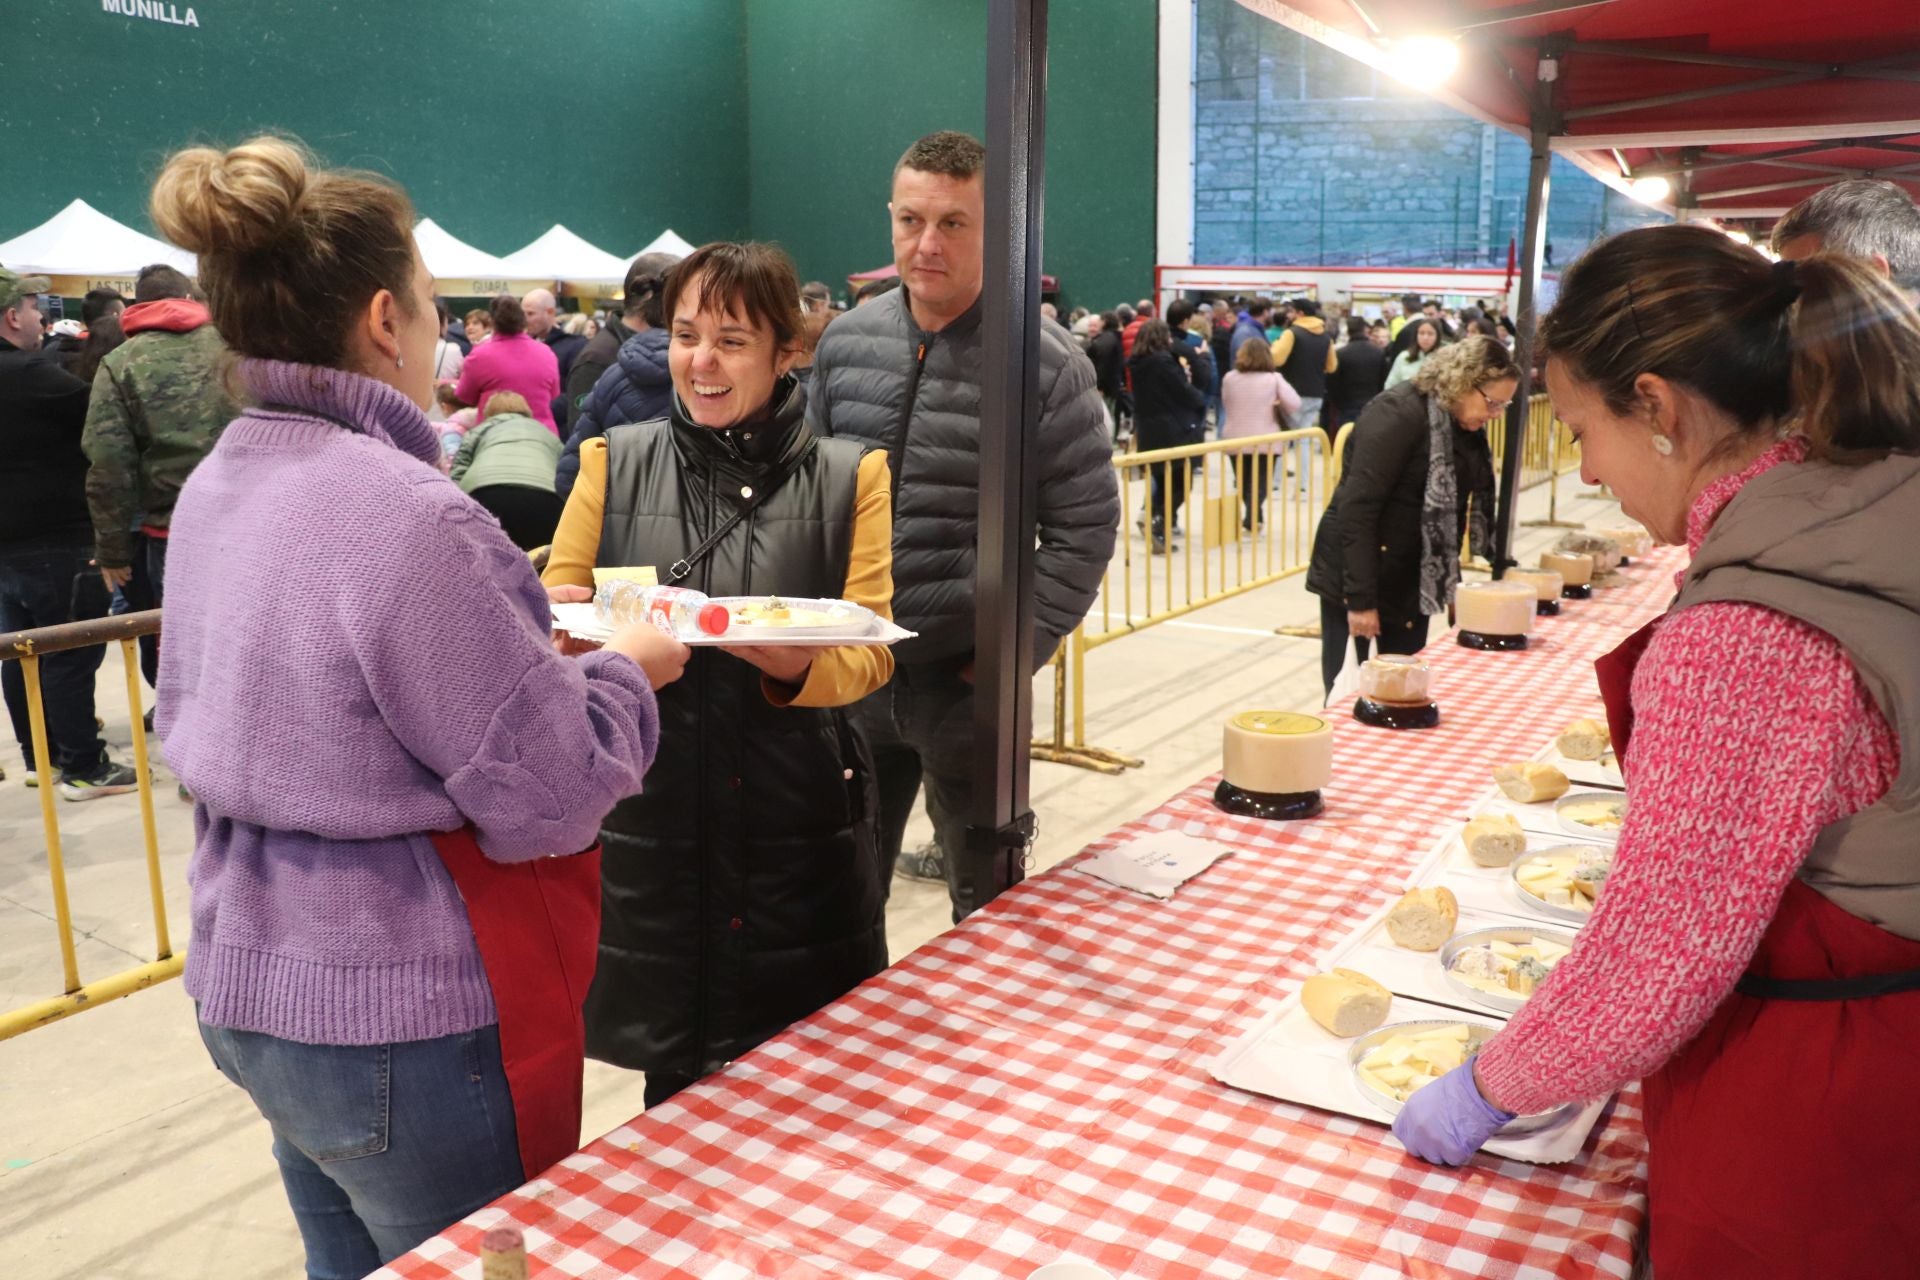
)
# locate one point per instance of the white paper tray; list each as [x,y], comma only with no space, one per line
[1288,1056]
[1603,773]
[1417,974]
[577,620]
[1489,890]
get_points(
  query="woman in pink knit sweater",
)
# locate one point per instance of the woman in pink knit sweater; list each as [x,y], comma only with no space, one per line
[1755,958]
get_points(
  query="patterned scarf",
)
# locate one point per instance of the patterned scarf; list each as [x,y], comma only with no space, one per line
[1439,515]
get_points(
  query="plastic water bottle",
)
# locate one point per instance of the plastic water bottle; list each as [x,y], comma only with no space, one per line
[682,613]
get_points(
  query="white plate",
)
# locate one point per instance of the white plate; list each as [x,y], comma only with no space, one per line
[850,621]
[1419,974]
[1478,1033]
[1536,905]
[1606,835]
[1485,891]
[1289,1056]
[1504,1001]
[1538,819]
[577,620]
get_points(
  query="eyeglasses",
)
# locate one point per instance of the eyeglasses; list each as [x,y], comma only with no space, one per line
[1494,406]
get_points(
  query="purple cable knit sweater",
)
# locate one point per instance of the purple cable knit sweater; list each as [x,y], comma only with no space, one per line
[356,656]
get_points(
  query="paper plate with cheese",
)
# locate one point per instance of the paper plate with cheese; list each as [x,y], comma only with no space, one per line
[1564,882]
[1397,1061]
[1595,815]
[1501,967]
[752,616]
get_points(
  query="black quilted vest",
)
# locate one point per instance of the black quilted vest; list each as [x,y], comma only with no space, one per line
[742,886]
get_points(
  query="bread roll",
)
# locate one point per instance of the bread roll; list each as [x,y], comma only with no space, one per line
[1494,840]
[1584,740]
[1531,783]
[1345,1002]
[1423,920]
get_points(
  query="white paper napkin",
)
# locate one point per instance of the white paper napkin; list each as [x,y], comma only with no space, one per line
[1155,864]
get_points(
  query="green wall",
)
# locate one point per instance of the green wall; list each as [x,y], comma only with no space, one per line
[500,117]
[779,119]
[839,88]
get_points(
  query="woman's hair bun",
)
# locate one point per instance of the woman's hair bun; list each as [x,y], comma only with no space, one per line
[231,202]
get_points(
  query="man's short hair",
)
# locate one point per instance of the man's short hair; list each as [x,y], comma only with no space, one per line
[948,152]
[1305,306]
[875,288]
[1259,307]
[1862,217]
[159,282]
[99,302]
[1411,301]
[1179,311]
[1125,314]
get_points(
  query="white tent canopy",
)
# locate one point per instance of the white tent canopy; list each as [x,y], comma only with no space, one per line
[449,257]
[668,241]
[80,241]
[559,254]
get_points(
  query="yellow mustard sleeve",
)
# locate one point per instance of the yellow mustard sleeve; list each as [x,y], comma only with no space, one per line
[1333,357]
[576,543]
[846,674]
[1282,347]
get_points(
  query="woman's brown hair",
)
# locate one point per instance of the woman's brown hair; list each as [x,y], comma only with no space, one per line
[507,315]
[1254,356]
[1152,338]
[1826,344]
[290,253]
[756,280]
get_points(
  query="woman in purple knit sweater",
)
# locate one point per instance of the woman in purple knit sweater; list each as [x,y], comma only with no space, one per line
[385,751]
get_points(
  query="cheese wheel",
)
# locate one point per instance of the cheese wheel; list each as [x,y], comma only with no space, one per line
[1576,570]
[1631,541]
[1346,1002]
[1277,752]
[1604,550]
[1584,740]
[1546,583]
[1494,839]
[1423,919]
[1495,608]
[1531,782]
[1394,678]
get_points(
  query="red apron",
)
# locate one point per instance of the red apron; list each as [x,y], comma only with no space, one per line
[537,925]
[1784,1139]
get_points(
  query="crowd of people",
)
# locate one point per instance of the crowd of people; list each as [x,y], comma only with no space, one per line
[440,847]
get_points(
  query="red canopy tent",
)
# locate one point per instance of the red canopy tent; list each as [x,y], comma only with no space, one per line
[1743,107]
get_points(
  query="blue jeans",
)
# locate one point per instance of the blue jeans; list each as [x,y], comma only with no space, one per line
[380,1146]
[43,584]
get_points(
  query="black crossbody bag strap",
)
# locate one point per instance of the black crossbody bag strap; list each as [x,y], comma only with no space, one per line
[682,568]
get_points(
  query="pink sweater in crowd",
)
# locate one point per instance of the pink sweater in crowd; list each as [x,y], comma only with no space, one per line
[517,363]
[1751,733]
[1247,400]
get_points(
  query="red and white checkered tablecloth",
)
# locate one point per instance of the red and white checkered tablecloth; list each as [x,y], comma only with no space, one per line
[1033,1084]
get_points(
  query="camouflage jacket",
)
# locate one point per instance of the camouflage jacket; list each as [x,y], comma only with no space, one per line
[159,403]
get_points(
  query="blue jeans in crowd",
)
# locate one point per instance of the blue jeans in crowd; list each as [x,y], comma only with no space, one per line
[45,583]
[380,1146]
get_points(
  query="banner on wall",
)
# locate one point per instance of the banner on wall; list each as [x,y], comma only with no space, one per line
[173,15]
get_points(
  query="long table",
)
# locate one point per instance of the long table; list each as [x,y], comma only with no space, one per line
[1033,1084]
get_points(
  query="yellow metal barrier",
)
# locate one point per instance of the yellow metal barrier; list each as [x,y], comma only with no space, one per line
[1227,548]
[1234,560]
[28,648]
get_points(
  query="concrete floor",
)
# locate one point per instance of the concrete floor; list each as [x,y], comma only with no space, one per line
[123,1154]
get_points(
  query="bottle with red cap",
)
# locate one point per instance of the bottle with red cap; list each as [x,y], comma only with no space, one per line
[681,612]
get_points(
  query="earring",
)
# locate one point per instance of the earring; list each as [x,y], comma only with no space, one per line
[1662,445]
[400,362]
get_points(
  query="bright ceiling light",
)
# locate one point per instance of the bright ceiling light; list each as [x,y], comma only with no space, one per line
[1425,62]
[1650,190]
[1738,236]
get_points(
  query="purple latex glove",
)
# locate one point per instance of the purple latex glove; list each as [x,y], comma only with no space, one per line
[1446,1122]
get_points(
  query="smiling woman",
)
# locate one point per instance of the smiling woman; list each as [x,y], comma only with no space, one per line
[743,890]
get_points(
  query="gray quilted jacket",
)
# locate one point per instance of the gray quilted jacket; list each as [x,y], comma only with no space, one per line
[879,379]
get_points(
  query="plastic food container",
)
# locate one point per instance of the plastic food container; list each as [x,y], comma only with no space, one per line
[1395,678]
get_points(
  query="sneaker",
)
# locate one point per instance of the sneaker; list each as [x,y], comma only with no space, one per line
[33,777]
[147,719]
[185,794]
[924,863]
[108,779]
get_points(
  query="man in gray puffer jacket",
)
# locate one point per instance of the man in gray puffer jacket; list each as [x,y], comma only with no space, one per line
[903,374]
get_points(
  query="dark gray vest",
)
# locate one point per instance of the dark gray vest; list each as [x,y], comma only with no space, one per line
[1833,546]
[741,887]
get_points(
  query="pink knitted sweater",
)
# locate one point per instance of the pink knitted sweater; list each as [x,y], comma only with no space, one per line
[1751,733]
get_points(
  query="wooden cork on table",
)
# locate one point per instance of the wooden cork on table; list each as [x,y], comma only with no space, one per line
[503,1254]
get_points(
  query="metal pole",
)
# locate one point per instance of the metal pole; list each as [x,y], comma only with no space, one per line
[1532,258]
[1009,409]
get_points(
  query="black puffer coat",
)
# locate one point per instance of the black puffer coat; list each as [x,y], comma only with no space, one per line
[742,886]
[1368,547]
[1168,408]
[638,388]
[880,379]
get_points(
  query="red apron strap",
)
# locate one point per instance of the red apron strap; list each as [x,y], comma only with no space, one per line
[1615,671]
[537,925]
